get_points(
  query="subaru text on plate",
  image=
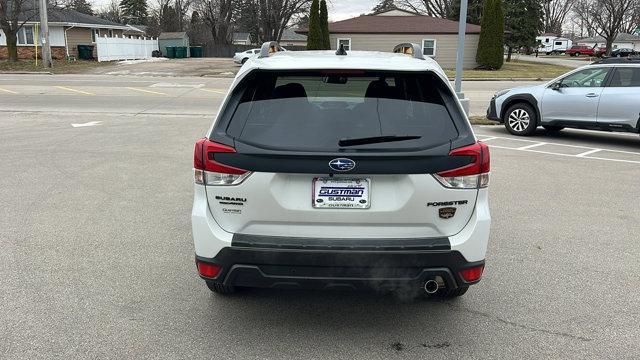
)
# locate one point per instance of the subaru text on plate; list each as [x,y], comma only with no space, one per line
[336,170]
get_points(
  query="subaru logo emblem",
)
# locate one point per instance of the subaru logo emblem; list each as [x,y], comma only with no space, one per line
[342,164]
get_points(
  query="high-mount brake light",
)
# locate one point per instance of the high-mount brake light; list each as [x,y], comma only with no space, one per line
[471,176]
[207,171]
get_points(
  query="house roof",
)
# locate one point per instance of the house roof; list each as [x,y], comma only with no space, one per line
[291,35]
[70,17]
[619,38]
[172,35]
[375,24]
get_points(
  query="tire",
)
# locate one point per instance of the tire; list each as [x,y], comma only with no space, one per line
[520,119]
[244,60]
[219,288]
[552,128]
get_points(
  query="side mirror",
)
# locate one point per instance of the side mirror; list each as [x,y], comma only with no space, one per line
[555,86]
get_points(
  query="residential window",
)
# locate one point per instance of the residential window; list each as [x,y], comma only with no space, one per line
[25,35]
[345,42]
[429,47]
[558,42]
[95,33]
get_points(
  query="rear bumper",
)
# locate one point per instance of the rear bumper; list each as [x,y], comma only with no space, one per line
[324,267]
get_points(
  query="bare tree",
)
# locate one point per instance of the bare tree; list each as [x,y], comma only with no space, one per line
[13,15]
[217,15]
[111,12]
[605,17]
[435,8]
[275,16]
[555,13]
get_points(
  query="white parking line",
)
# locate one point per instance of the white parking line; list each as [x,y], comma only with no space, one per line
[583,155]
[532,146]
[588,152]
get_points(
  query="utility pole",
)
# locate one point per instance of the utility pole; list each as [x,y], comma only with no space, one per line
[462,28]
[44,24]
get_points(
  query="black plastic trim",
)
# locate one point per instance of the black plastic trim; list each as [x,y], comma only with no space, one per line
[295,268]
[492,114]
[593,125]
[528,98]
[319,164]
[282,242]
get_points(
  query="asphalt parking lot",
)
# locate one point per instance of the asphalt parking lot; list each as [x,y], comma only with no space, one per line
[96,256]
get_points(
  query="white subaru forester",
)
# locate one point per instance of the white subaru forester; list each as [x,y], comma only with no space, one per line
[335,170]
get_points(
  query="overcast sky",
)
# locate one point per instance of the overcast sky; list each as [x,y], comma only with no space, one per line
[338,9]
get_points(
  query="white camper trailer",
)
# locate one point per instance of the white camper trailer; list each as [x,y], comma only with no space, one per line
[551,44]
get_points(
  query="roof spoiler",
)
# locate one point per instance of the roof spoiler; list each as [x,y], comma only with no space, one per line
[410,49]
[268,48]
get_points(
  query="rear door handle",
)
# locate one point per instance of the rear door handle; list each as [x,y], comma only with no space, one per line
[592,95]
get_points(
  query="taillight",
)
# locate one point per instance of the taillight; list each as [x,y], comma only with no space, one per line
[472,274]
[208,270]
[207,171]
[471,176]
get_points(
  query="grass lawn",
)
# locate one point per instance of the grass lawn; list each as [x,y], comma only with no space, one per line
[59,66]
[481,120]
[515,69]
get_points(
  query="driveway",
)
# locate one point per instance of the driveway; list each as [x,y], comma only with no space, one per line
[96,255]
[554,60]
[217,67]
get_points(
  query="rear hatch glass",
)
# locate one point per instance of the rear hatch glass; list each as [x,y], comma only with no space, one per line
[313,111]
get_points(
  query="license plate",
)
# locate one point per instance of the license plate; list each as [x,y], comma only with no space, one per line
[335,193]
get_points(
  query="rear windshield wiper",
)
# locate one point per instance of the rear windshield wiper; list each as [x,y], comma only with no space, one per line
[376,140]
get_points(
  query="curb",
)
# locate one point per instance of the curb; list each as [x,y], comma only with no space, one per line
[26,72]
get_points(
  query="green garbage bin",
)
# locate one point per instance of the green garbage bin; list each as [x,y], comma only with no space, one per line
[85,52]
[181,52]
[171,52]
[196,51]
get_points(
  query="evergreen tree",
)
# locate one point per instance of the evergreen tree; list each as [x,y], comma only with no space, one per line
[134,11]
[490,46]
[384,5]
[324,25]
[314,38]
[523,22]
[82,6]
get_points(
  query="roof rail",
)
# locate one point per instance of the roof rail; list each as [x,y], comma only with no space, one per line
[414,50]
[268,48]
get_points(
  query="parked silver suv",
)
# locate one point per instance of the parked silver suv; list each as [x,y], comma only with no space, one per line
[603,96]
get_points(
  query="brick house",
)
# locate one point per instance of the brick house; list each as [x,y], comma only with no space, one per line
[67,29]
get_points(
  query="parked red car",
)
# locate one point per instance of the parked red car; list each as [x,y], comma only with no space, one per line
[578,50]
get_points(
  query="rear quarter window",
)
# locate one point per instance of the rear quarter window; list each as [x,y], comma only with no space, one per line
[314,110]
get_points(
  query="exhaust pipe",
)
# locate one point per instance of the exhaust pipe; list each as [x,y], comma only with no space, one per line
[431,286]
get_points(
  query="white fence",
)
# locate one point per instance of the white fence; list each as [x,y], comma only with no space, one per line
[123,48]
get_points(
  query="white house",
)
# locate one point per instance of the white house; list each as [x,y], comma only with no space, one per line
[622,41]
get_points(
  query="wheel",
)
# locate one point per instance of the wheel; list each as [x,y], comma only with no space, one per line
[450,294]
[520,119]
[552,128]
[244,60]
[219,288]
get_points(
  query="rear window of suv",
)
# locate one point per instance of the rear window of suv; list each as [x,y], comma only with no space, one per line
[313,111]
